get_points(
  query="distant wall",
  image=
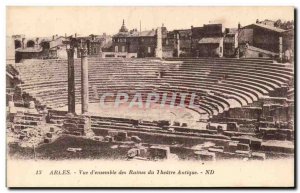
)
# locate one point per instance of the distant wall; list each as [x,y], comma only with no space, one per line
[10,49]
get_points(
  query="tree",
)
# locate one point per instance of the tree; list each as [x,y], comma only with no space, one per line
[285,25]
[278,23]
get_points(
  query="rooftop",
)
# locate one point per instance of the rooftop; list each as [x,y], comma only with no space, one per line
[29,49]
[276,29]
[261,50]
[210,40]
[149,33]
[123,27]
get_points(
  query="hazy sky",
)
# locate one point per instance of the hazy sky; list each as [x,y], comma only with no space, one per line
[47,21]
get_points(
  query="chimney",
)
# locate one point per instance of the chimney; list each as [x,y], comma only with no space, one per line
[140,25]
[239,25]
[37,42]
[23,43]
[226,30]
[75,35]
[53,37]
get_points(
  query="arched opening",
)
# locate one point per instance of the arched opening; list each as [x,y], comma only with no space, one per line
[30,43]
[17,44]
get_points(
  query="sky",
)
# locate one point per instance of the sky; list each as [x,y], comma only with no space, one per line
[48,21]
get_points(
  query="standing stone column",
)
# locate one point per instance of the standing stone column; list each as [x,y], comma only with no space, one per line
[280,49]
[158,51]
[71,81]
[178,45]
[84,81]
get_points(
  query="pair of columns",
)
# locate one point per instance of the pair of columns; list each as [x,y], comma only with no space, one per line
[84,81]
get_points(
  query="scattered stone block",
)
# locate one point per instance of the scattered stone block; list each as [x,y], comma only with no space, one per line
[258,156]
[243,147]
[51,129]
[205,155]
[49,135]
[232,147]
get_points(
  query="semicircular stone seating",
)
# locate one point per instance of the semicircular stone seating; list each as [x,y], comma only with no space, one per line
[220,84]
[237,82]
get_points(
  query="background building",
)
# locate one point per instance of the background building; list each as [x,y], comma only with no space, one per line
[133,43]
[260,39]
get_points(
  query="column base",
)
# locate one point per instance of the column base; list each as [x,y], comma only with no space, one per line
[70,115]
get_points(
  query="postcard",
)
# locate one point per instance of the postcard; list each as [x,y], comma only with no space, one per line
[151,97]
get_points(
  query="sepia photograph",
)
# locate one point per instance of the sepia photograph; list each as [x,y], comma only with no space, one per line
[150,96]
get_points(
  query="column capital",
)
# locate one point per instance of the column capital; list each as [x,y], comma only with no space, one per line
[70,51]
[84,52]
